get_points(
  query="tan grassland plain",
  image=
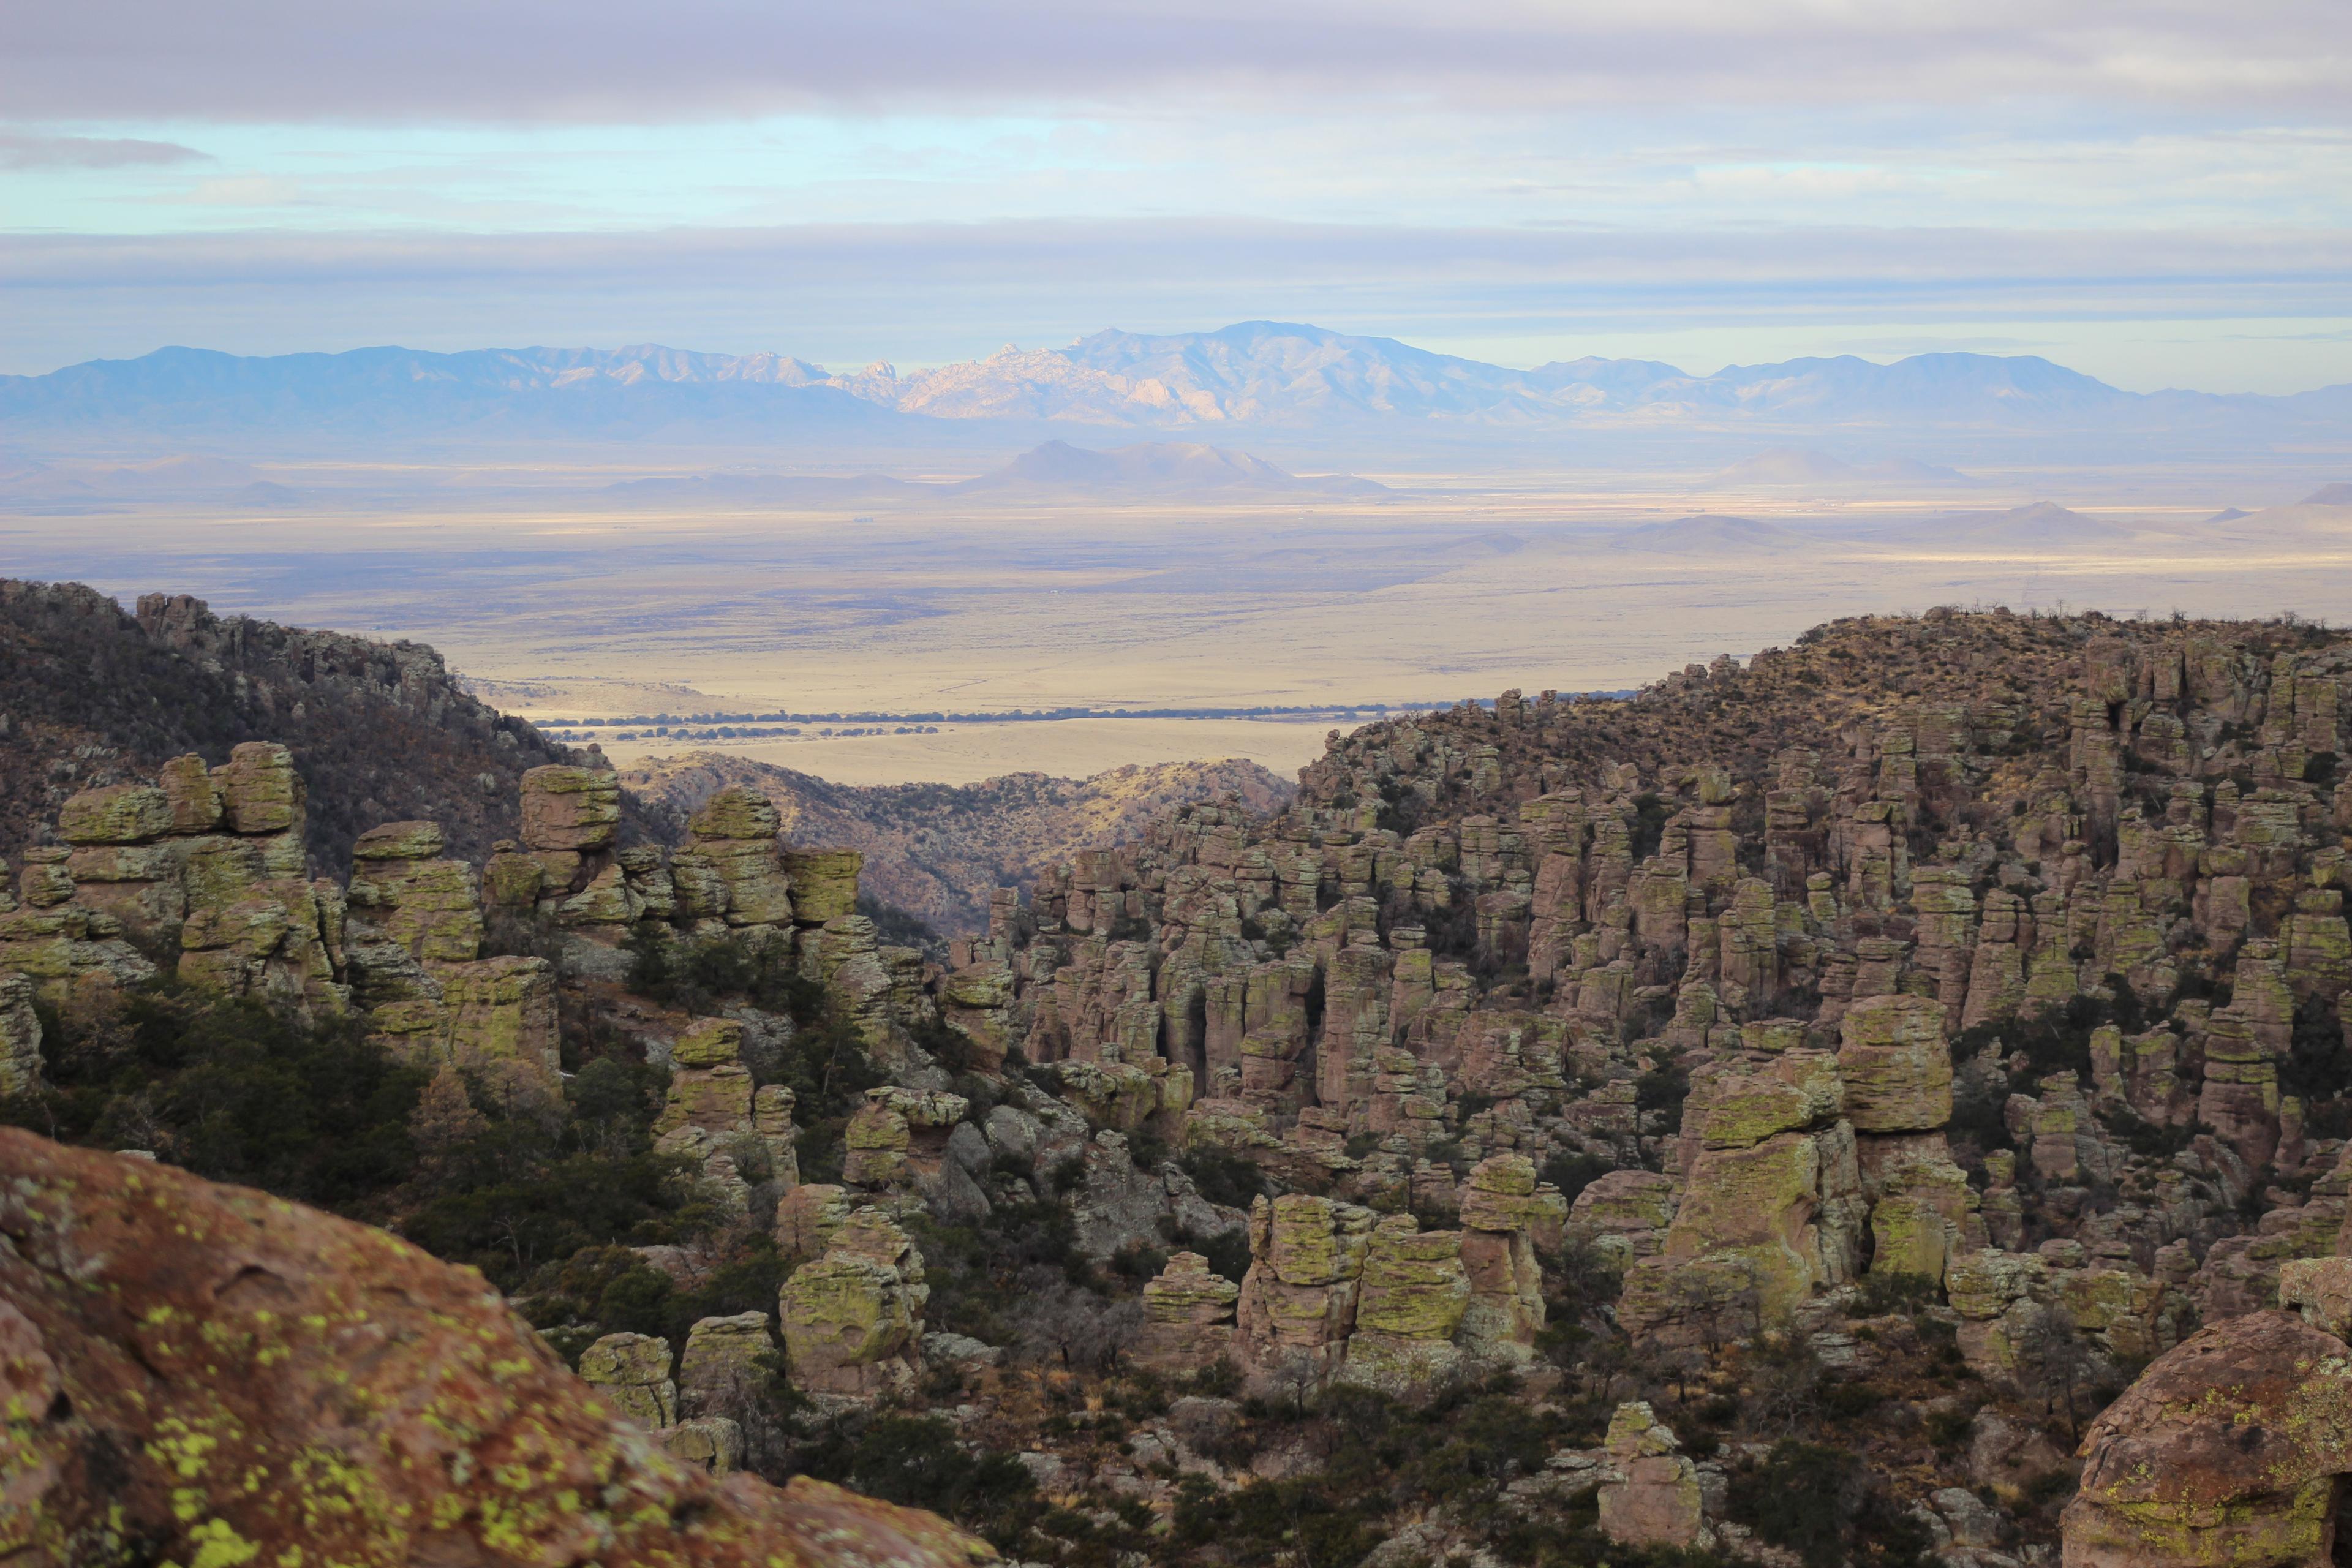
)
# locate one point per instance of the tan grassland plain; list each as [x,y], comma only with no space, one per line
[571,609]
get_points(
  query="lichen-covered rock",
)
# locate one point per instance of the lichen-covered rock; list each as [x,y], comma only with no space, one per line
[2320,1289]
[21,1070]
[853,1319]
[732,869]
[708,1043]
[1650,1493]
[735,811]
[632,1372]
[825,883]
[221,1378]
[121,814]
[569,808]
[1994,1292]
[2226,1451]
[721,1366]
[1774,1224]
[1625,1214]
[1299,1297]
[192,794]
[399,841]
[1188,1316]
[711,1444]
[260,790]
[1409,1308]
[808,1217]
[1897,1068]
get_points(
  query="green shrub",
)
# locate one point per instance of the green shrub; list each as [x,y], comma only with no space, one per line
[1800,1497]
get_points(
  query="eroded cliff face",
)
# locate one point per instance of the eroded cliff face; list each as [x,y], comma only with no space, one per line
[204,1374]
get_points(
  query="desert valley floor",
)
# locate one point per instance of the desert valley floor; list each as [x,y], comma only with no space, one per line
[564,604]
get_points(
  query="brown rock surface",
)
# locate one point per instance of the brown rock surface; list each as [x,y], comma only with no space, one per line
[2226,1451]
[201,1374]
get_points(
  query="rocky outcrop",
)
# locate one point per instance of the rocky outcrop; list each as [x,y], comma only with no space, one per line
[1187,1316]
[381,732]
[222,1378]
[21,1067]
[208,865]
[631,1372]
[713,1115]
[1772,1208]
[2228,1450]
[1335,1291]
[413,944]
[853,1318]
[1650,1493]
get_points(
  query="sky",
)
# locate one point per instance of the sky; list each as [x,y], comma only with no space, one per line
[2155,192]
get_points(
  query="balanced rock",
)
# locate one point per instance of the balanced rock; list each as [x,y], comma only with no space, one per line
[1896,1068]
[825,883]
[570,810]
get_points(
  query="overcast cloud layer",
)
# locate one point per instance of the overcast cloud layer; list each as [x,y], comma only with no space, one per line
[624,61]
[2157,192]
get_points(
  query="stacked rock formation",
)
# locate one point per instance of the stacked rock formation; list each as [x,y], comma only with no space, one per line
[713,1110]
[722,1367]
[1649,1490]
[415,945]
[1336,1292]
[1187,1316]
[1835,889]
[223,1377]
[207,864]
[853,1318]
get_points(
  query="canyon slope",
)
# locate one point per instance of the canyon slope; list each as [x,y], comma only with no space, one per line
[940,851]
[1882,1100]
[90,695]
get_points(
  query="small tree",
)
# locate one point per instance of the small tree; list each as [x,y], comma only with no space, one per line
[2053,1360]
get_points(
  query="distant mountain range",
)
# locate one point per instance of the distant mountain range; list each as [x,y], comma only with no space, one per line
[1263,375]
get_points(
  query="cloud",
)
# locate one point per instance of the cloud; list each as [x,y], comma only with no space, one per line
[23,151]
[621,61]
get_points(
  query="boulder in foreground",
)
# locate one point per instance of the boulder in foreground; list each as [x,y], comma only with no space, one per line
[2225,1454]
[194,1373]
